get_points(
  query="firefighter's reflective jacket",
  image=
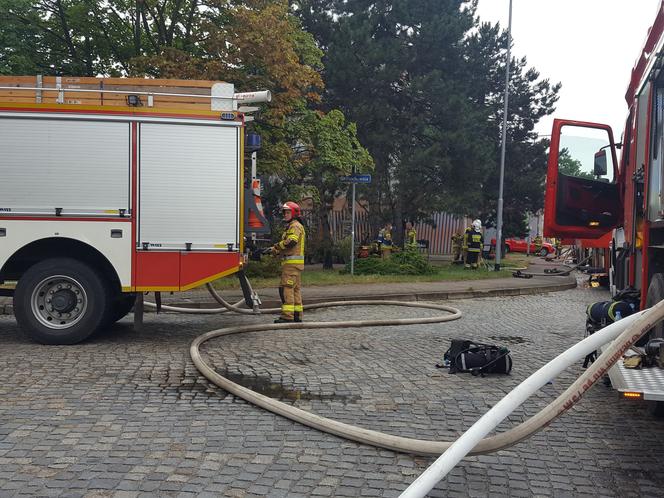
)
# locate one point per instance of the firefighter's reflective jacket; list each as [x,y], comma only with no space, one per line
[291,245]
[474,240]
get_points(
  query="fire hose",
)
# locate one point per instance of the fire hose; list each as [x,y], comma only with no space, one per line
[624,333]
[554,272]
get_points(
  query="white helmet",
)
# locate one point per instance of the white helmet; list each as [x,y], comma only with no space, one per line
[477,224]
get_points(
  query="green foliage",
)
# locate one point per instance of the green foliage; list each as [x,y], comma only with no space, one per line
[342,249]
[403,263]
[268,266]
[530,99]
[424,80]
[570,166]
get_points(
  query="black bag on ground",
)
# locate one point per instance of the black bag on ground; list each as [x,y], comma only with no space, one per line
[476,358]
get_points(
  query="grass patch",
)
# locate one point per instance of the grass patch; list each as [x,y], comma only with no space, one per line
[442,271]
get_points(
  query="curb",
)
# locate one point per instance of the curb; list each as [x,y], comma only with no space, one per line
[8,309]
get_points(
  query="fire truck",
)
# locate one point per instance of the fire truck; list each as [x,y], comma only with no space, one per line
[592,193]
[112,187]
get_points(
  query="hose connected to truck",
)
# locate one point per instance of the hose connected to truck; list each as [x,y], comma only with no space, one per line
[624,333]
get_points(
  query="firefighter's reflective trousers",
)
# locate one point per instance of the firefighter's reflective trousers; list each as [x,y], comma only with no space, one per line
[289,291]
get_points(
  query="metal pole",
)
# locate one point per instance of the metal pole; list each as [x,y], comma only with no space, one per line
[499,227]
[528,238]
[352,236]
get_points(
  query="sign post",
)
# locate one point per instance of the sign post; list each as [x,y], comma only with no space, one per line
[352,236]
[354,179]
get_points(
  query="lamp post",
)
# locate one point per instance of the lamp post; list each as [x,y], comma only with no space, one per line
[499,224]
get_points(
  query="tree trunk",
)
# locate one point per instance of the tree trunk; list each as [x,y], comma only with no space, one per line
[326,237]
[398,232]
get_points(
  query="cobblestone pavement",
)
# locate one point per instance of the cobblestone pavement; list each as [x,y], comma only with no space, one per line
[127,414]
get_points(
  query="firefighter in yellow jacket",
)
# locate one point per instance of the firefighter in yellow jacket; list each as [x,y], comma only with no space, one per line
[291,249]
[458,247]
[410,244]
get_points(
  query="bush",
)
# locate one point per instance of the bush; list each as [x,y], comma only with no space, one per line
[403,263]
[267,267]
[414,262]
[342,250]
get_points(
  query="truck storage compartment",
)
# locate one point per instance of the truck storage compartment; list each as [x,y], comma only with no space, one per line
[189,186]
[64,166]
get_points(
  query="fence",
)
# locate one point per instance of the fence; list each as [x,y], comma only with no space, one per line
[438,232]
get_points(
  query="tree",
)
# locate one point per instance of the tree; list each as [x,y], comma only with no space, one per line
[398,69]
[424,80]
[325,148]
[530,99]
[567,165]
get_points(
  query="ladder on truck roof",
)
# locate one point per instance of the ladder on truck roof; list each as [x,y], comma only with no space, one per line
[194,95]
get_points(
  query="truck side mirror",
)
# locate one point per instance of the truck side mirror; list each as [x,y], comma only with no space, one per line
[599,167]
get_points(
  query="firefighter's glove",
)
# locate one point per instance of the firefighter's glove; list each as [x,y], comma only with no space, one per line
[267,251]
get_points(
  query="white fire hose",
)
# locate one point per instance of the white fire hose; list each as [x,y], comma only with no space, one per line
[473,442]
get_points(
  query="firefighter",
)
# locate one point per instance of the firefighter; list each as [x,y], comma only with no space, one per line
[457,246]
[464,242]
[538,243]
[411,237]
[559,246]
[291,249]
[385,240]
[474,242]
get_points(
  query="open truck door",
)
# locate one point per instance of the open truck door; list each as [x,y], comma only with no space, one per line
[583,198]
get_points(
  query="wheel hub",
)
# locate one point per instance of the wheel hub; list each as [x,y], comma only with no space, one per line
[63,301]
[58,302]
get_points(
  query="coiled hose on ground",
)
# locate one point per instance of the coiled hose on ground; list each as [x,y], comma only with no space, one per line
[473,442]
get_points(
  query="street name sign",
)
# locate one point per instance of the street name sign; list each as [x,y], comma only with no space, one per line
[356,178]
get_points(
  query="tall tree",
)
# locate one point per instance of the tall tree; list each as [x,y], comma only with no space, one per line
[397,68]
[530,99]
[424,81]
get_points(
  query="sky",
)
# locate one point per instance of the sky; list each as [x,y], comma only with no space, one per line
[590,46]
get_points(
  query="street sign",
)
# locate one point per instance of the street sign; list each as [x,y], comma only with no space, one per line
[356,178]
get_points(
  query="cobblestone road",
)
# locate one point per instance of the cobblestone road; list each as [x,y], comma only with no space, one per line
[127,414]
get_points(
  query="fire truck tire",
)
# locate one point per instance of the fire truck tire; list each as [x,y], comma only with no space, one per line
[61,301]
[122,306]
[655,295]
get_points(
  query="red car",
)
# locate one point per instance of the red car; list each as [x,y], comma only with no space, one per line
[519,245]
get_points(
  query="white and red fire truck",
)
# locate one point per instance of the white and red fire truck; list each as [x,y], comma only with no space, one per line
[113,187]
[590,193]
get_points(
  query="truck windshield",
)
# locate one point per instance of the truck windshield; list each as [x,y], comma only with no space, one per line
[580,151]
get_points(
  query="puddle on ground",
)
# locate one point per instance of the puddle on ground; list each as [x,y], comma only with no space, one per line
[265,386]
[510,339]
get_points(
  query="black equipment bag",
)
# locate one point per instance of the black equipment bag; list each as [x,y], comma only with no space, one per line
[478,359]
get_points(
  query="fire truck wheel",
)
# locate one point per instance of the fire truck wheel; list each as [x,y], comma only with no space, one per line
[60,301]
[655,295]
[122,306]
